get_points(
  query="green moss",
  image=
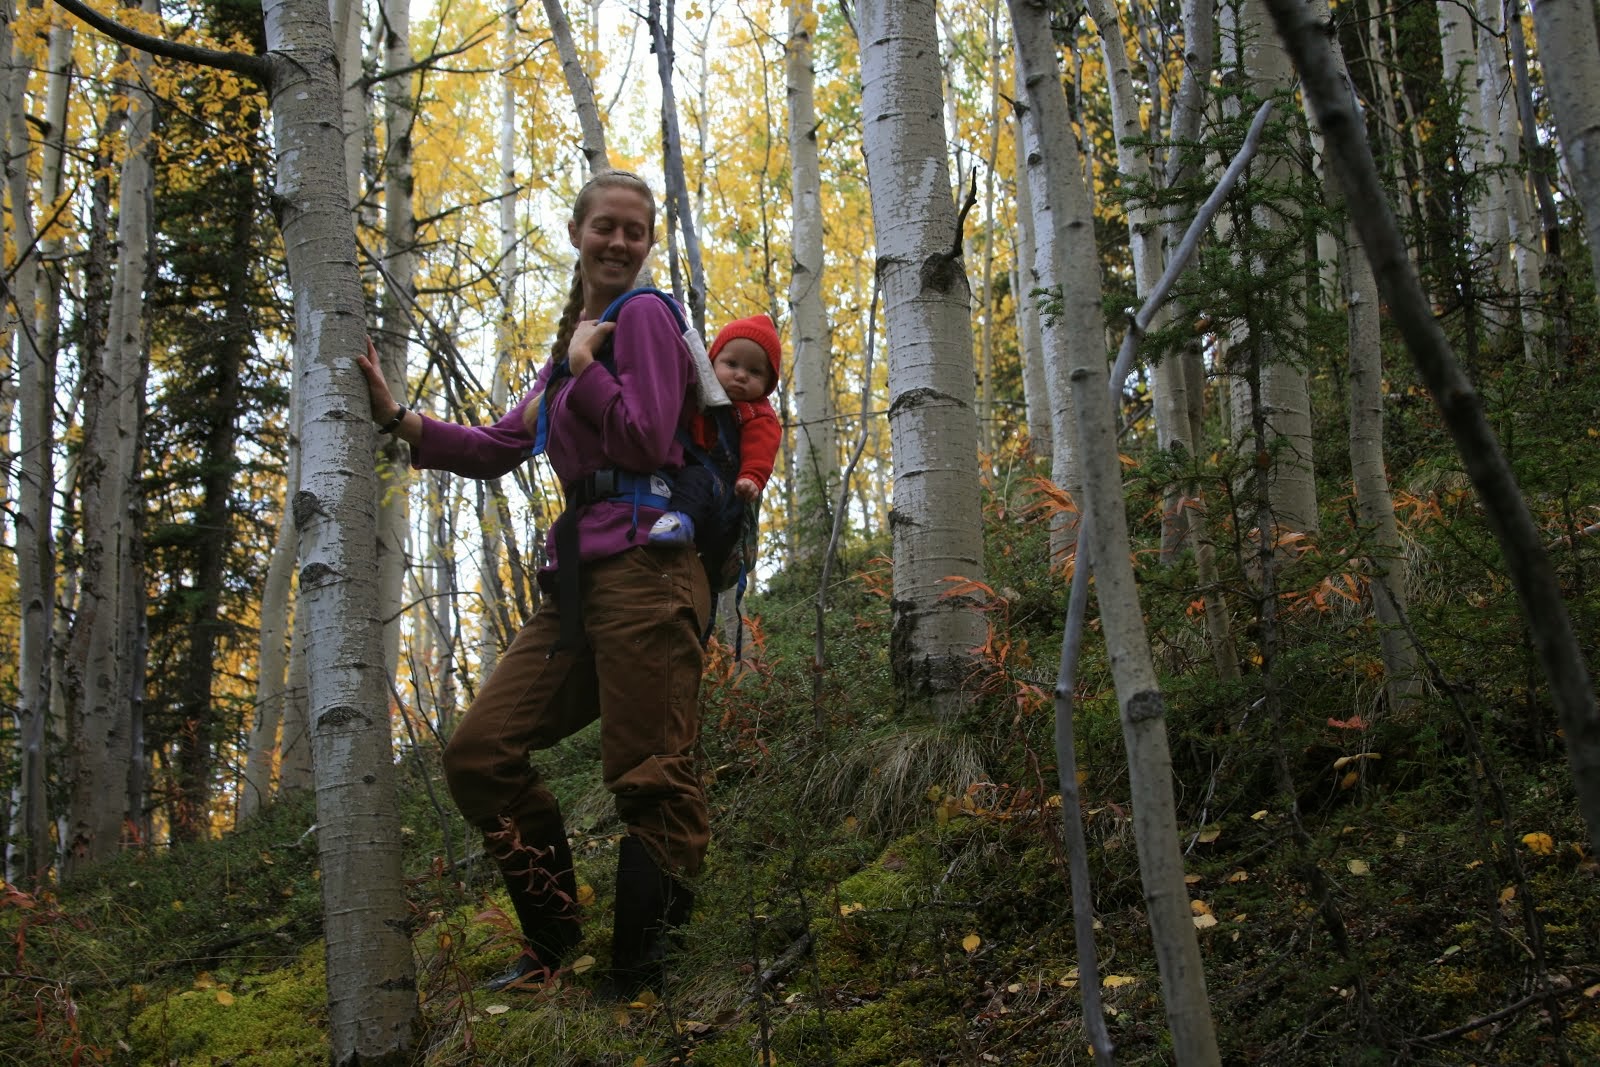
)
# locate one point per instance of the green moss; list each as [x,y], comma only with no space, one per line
[276,1019]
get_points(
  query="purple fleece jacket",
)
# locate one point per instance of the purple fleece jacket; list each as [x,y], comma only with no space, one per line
[597,420]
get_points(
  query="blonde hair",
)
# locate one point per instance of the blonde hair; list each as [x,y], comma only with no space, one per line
[608,179]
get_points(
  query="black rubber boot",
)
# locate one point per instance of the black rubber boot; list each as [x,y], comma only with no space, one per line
[650,903]
[544,893]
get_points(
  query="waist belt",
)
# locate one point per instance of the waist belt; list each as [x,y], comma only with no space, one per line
[610,483]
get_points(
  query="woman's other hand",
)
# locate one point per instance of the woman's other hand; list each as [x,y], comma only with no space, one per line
[587,337]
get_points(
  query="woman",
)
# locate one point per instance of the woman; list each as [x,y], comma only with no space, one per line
[643,608]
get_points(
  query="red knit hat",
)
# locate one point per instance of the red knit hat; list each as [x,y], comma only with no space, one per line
[757,328]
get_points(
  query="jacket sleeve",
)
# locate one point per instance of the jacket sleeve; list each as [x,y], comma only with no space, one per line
[759,436]
[475,451]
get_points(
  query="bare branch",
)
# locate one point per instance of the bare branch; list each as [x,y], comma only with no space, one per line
[257,67]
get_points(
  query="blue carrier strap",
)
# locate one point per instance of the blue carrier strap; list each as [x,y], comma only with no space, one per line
[541,434]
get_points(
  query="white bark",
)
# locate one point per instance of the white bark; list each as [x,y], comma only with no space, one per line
[104,653]
[816,448]
[1284,396]
[1486,213]
[1571,64]
[272,656]
[1374,502]
[594,134]
[927,301]
[1522,269]
[394,315]
[1053,164]
[1024,280]
[1073,332]
[371,979]
[27,839]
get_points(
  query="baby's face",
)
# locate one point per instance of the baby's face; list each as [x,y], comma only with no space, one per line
[742,368]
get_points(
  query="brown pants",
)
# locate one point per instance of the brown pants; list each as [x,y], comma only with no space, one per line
[643,613]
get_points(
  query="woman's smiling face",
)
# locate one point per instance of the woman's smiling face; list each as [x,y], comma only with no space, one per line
[613,238]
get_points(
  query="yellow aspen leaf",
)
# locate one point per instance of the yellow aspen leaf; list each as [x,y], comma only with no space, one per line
[203,981]
[1592,991]
[1258,816]
[1539,844]
[647,999]
[1508,894]
[1199,907]
[1116,981]
[266,858]
[935,793]
[620,1017]
[1344,761]
[224,998]
[1241,917]
[177,905]
[445,941]
[1203,922]
[850,822]
[1239,876]
[582,963]
[638,1061]
[690,1026]
[1205,837]
[497,1009]
[1191,879]
[1358,867]
[850,909]
[585,895]
[1350,779]
[971,943]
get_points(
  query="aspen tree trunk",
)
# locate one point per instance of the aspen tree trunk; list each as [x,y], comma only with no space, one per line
[1053,167]
[986,415]
[1024,280]
[679,211]
[28,836]
[594,133]
[348,17]
[1534,154]
[936,518]
[103,651]
[1374,502]
[1571,64]
[816,448]
[1143,240]
[1073,326]
[294,745]
[272,659]
[372,1000]
[392,340]
[1285,397]
[1486,212]
[495,623]
[1517,261]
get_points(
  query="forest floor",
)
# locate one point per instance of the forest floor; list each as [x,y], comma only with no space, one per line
[1425,897]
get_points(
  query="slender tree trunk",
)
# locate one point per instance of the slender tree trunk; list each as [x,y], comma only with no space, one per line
[1570,61]
[679,211]
[594,134]
[1053,166]
[816,449]
[272,656]
[1024,280]
[1254,52]
[927,310]
[1374,502]
[398,293]
[105,650]
[28,836]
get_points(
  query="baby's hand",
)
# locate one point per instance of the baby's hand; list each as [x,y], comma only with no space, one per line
[745,489]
